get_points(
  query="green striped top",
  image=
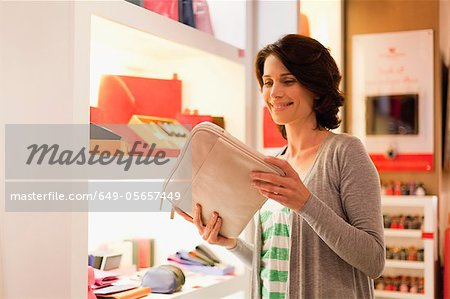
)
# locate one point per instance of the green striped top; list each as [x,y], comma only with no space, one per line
[275,249]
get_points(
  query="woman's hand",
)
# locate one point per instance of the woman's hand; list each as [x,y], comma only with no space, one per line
[210,231]
[288,190]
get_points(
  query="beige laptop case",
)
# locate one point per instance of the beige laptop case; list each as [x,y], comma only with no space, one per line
[214,170]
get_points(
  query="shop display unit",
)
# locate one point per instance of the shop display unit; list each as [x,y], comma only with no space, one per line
[62,50]
[128,40]
[425,238]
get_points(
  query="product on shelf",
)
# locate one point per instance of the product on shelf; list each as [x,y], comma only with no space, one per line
[412,254]
[404,254]
[194,13]
[202,260]
[402,188]
[163,132]
[402,221]
[120,97]
[164,279]
[420,190]
[400,283]
[405,284]
[192,118]
[167,8]
[104,140]
[421,285]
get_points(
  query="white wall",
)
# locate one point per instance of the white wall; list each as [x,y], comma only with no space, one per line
[39,250]
[228,20]
[326,26]
[325,23]
[274,19]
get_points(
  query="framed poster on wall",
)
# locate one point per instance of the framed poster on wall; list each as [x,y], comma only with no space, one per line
[393,98]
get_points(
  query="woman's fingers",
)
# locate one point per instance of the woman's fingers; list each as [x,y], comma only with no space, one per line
[198,219]
[272,178]
[288,190]
[271,188]
[210,226]
[280,198]
[210,232]
[214,236]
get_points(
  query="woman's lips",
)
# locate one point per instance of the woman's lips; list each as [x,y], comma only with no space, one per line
[281,106]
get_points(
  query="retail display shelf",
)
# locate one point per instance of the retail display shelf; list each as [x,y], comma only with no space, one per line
[200,286]
[404,233]
[418,238]
[128,40]
[66,46]
[154,33]
[405,200]
[404,264]
[398,295]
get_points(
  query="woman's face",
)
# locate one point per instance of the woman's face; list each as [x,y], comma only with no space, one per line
[288,101]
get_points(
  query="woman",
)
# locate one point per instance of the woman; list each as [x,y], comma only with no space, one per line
[320,233]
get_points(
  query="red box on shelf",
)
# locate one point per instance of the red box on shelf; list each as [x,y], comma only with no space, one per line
[122,96]
[192,119]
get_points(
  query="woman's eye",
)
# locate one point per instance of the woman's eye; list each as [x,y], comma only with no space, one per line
[289,81]
[267,83]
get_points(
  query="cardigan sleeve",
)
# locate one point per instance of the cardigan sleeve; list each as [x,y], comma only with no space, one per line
[359,239]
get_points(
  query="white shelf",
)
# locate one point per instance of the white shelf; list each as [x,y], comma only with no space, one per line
[211,287]
[404,264]
[406,200]
[398,295]
[403,233]
[154,25]
[412,205]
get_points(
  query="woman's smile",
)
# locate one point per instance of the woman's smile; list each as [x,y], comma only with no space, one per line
[279,106]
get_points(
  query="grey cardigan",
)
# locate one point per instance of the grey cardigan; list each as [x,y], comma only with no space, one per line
[337,243]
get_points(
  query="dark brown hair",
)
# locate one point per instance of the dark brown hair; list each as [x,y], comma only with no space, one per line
[312,65]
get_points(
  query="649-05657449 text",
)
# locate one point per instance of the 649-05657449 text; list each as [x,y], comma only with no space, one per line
[97,195]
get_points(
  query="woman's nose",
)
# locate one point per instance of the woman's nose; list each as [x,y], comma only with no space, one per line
[276,91]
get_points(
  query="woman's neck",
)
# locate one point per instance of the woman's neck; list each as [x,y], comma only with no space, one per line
[304,138]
